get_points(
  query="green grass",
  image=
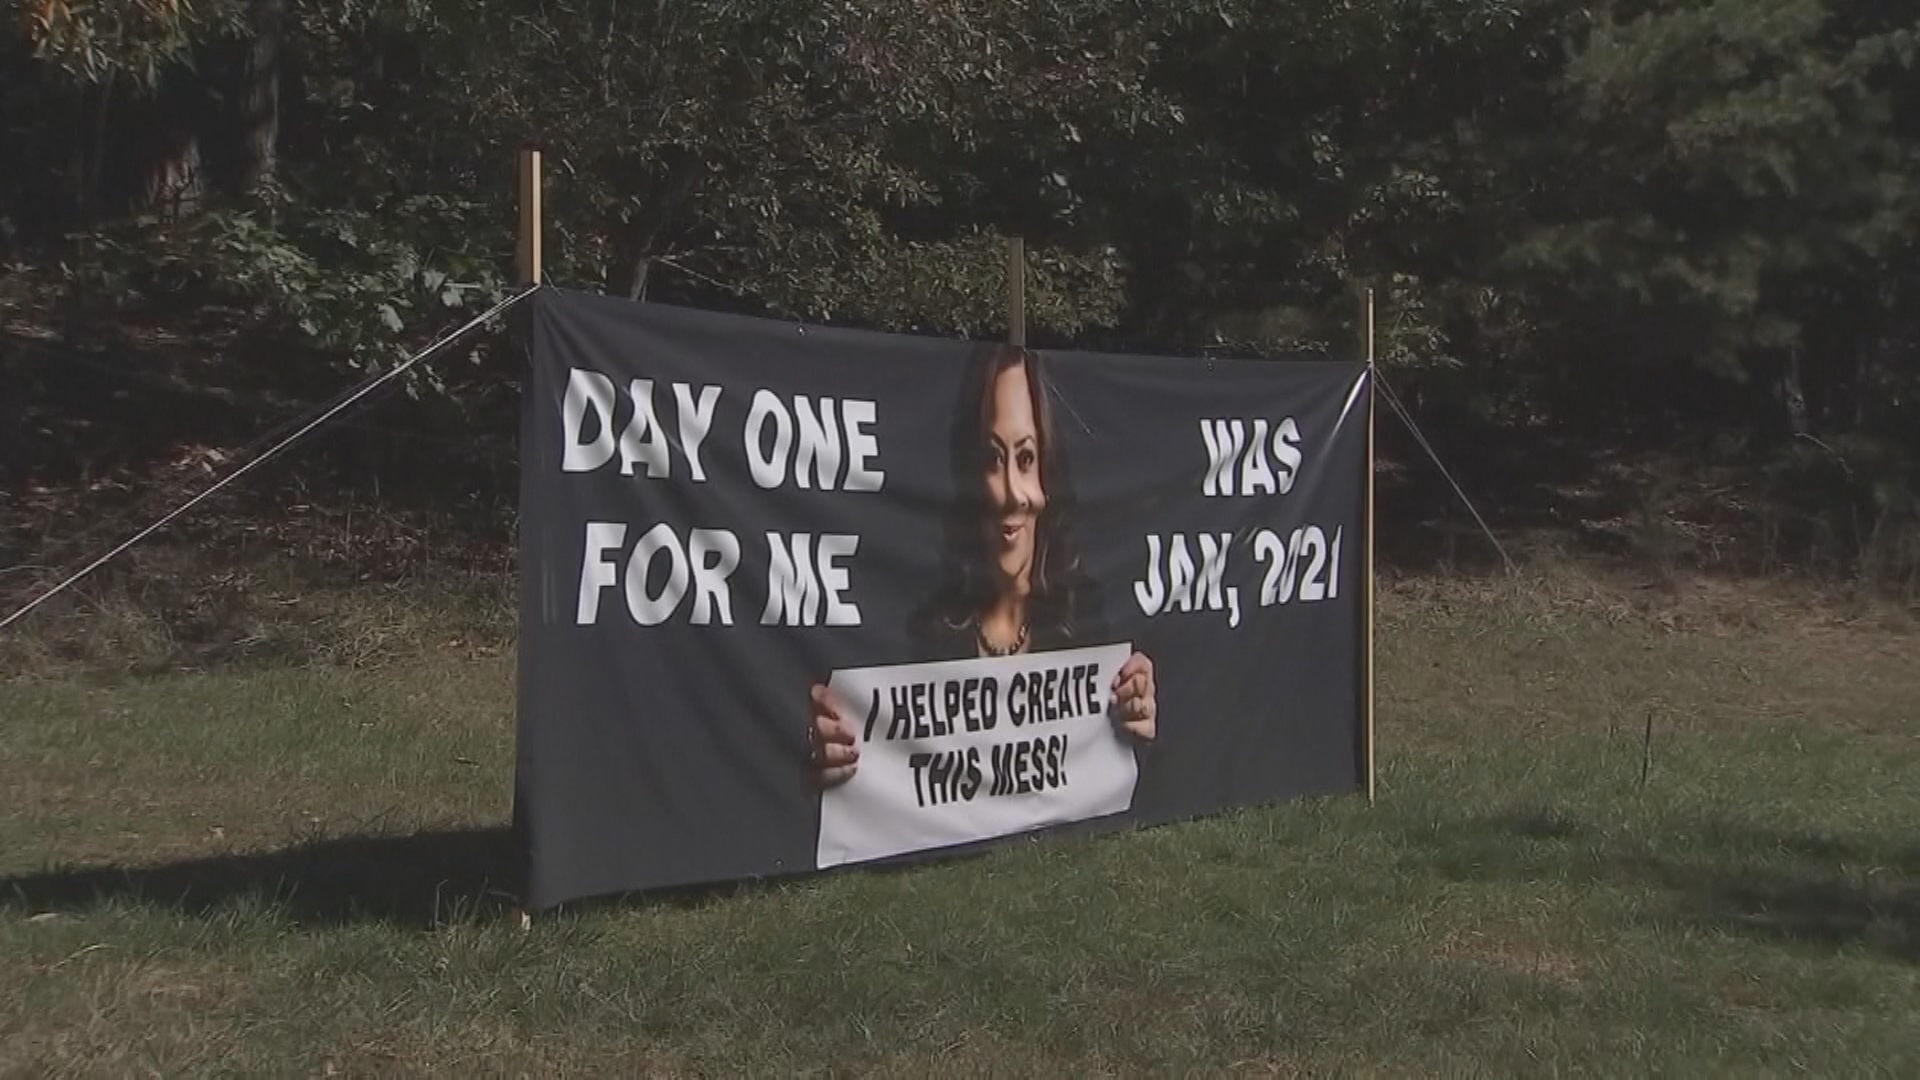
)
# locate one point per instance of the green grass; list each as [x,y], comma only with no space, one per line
[270,869]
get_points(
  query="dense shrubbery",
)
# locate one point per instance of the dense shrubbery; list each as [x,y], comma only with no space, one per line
[1691,221]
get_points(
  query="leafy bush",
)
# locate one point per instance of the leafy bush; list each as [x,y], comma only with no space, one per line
[344,283]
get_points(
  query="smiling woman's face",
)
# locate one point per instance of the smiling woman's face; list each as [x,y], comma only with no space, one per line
[1015,496]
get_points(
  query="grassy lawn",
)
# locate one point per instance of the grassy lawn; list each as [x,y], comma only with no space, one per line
[266,868]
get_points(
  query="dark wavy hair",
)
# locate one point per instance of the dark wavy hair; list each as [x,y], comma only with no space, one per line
[1060,597]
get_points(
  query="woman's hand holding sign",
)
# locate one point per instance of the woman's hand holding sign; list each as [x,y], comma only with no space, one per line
[835,755]
[1135,703]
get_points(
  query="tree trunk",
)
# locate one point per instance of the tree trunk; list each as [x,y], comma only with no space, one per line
[637,288]
[252,124]
[211,128]
[90,150]
[637,239]
[162,170]
[1793,394]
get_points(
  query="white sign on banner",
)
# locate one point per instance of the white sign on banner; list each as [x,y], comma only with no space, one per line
[967,750]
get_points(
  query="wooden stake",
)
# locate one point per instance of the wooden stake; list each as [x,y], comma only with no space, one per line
[1017,291]
[527,271]
[1646,752]
[526,256]
[1373,388]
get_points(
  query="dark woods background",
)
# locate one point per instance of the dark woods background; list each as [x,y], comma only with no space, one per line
[1647,270]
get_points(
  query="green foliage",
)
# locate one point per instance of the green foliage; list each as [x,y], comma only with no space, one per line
[1738,169]
[1663,214]
[335,282]
[93,41]
[825,161]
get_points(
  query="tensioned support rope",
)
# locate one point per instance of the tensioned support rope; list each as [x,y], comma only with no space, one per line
[336,409]
[1393,402]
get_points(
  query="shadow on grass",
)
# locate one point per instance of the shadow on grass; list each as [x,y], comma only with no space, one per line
[1835,914]
[1804,889]
[414,879]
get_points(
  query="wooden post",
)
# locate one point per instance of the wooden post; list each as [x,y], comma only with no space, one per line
[526,256]
[527,271]
[1017,291]
[1373,389]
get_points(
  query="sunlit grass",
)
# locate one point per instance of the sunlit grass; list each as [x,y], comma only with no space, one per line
[277,869]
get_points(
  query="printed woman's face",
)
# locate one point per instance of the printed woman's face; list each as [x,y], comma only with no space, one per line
[1014,493]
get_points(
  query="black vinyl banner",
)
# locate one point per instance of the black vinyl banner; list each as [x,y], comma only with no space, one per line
[796,597]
